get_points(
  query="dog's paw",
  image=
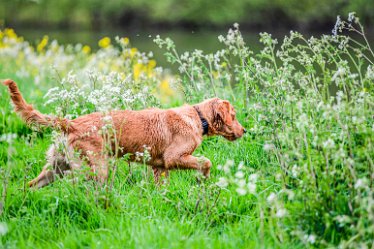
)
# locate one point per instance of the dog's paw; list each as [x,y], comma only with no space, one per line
[205,165]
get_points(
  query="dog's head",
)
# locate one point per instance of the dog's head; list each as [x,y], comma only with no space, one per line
[222,119]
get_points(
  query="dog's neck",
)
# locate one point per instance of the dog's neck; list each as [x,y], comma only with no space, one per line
[204,122]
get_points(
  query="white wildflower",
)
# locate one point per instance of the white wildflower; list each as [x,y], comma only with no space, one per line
[310,238]
[241,191]
[251,187]
[253,177]
[3,228]
[241,165]
[370,72]
[107,119]
[361,183]
[239,174]
[295,171]
[8,137]
[271,198]
[222,182]
[299,105]
[342,220]
[302,122]
[352,17]
[281,212]
[269,147]
[338,26]
[241,183]
[338,74]
[328,144]
[230,163]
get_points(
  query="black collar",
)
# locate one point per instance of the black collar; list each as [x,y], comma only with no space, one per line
[204,123]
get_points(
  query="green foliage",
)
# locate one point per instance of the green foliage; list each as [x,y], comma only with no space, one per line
[302,177]
[310,103]
[100,14]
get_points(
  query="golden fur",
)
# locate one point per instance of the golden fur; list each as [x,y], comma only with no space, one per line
[171,136]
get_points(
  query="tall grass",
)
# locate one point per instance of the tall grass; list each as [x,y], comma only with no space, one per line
[303,177]
[310,103]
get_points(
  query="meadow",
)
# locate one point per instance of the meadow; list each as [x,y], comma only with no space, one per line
[302,177]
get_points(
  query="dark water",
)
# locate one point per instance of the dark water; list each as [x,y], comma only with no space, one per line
[143,40]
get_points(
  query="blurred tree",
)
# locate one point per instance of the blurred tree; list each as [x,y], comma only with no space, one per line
[98,13]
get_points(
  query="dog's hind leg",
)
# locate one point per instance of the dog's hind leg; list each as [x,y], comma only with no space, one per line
[44,178]
[57,165]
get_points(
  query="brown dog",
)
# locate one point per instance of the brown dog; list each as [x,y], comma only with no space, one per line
[171,136]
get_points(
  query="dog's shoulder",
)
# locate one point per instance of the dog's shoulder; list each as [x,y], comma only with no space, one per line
[183,120]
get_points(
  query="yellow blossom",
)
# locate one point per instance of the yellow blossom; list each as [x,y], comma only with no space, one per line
[42,44]
[215,74]
[138,68]
[223,64]
[133,52]
[125,40]
[86,49]
[165,88]
[151,65]
[1,39]
[104,42]
[10,33]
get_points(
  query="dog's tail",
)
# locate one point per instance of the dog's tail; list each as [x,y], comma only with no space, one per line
[32,116]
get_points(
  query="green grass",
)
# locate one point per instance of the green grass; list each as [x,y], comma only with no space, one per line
[140,214]
[306,177]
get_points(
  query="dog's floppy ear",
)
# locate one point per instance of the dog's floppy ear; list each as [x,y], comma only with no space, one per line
[221,112]
[225,109]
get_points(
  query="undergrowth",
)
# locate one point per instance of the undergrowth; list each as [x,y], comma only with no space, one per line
[302,177]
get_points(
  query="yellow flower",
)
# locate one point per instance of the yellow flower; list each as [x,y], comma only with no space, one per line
[223,64]
[1,39]
[104,42]
[133,52]
[152,64]
[10,33]
[86,49]
[42,44]
[165,88]
[125,40]
[215,74]
[138,68]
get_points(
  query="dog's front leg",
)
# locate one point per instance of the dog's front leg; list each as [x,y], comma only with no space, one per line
[158,173]
[99,166]
[201,164]
[178,156]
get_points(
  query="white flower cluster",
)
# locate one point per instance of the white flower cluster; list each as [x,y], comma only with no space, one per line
[95,92]
[237,177]
[3,228]
[110,78]
[8,137]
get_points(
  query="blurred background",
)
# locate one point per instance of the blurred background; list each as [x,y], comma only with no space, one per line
[191,23]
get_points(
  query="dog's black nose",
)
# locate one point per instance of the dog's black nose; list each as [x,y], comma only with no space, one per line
[245,131]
